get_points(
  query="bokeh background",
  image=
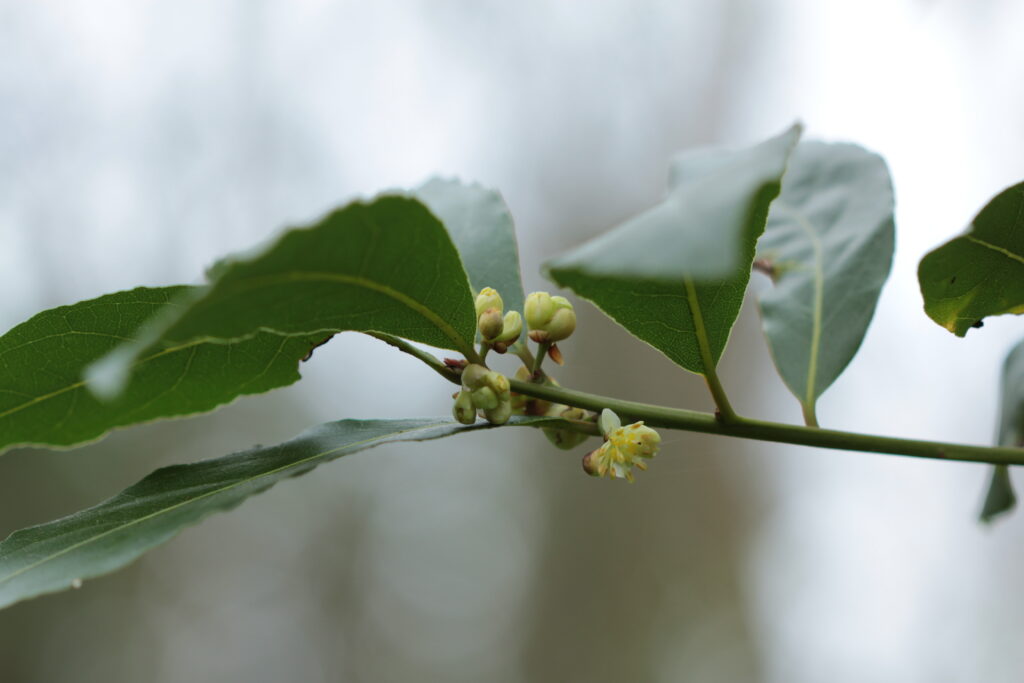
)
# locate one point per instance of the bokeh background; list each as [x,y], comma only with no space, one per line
[140,141]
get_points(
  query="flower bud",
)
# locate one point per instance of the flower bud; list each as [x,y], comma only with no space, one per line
[550,318]
[490,324]
[561,302]
[463,410]
[484,398]
[565,439]
[488,298]
[473,376]
[500,414]
[590,464]
[497,382]
[512,327]
[562,325]
[538,309]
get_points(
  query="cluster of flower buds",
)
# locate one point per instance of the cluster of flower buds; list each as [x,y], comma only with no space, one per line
[500,331]
[624,448]
[550,318]
[565,439]
[486,391]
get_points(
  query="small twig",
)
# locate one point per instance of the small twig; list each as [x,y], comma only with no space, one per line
[405,347]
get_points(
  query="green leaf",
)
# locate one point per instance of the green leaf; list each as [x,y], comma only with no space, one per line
[1010,432]
[717,200]
[1000,498]
[60,554]
[44,402]
[981,272]
[828,248]
[385,266]
[647,273]
[1011,399]
[481,227]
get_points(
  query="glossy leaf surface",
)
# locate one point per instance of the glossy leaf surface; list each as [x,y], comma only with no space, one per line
[665,304]
[481,227]
[828,247]
[60,554]
[44,401]
[981,272]
[384,266]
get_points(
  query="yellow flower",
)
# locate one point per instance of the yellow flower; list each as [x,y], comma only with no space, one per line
[624,448]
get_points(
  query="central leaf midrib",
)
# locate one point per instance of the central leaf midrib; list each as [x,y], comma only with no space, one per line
[817,306]
[359,281]
[82,383]
[988,245]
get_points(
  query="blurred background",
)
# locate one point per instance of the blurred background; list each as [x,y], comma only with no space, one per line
[140,141]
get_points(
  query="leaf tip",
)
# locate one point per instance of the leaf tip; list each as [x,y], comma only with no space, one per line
[1000,498]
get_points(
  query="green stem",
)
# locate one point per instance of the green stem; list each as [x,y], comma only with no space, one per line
[542,351]
[740,427]
[810,415]
[746,428]
[725,411]
[405,347]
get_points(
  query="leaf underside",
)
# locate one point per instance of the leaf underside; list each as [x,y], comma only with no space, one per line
[44,401]
[60,554]
[1009,432]
[981,272]
[828,247]
[638,273]
[482,229]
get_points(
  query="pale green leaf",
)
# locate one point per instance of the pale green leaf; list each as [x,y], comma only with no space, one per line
[642,274]
[44,402]
[63,553]
[1000,498]
[828,248]
[717,199]
[981,272]
[1010,432]
[481,227]
[384,266]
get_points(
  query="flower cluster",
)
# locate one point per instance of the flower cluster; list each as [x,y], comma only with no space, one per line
[551,318]
[483,390]
[497,330]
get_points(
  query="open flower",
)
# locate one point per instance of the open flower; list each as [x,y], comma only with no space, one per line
[624,448]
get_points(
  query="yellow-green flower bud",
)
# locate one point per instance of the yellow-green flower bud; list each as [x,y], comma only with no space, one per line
[561,302]
[488,298]
[473,376]
[562,324]
[550,318]
[484,398]
[490,324]
[463,410]
[500,414]
[512,328]
[538,309]
[497,382]
[566,439]
[590,464]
